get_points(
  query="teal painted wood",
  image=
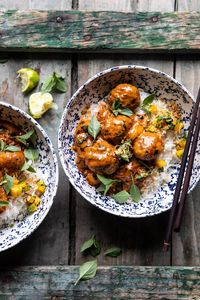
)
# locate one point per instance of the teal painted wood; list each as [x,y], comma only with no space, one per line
[109,283]
[119,31]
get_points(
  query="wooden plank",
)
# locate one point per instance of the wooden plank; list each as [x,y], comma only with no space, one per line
[36,4]
[140,240]
[43,246]
[114,31]
[188,240]
[109,283]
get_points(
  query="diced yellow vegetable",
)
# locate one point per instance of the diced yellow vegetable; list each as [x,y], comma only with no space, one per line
[16,190]
[40,182]
[15,181]
[178,127]
[160,163]
[37,200]
[179,153]
[30,199]
[181,144]
[32,208]
[23,184]
[41,189]
[153,108]
[151,128]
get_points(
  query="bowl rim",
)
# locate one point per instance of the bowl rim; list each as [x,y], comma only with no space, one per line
[55,160]
[97,75]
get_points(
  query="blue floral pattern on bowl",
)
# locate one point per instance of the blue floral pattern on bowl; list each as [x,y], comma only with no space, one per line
[96,88]
[47,168]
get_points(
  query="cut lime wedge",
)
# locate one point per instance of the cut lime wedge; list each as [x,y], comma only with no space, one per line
[29,79]
[39,103]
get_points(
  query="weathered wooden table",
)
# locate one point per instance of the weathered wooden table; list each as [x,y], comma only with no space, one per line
[43,266]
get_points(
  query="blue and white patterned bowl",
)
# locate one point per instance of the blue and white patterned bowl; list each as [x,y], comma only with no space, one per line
[47,168]
[96,88]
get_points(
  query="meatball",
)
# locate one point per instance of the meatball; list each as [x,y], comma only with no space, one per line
[81,141]
[147,146]
[127,94]
[101,158]
[11,160]
[134,131]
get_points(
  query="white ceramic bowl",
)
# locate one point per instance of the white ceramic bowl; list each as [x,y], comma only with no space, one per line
[96,88]
[47,169]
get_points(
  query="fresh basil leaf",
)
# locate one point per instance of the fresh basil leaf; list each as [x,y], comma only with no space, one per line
[87,270]
[87,244]
[23,138]
[31,154]
[49,84]
[125,111]
[101,188]
[113,251]
[121,197]
[3,61]
[96,249]
[9,183]
[148,100]
[27,167]
[2,145]
[4,203]
[146,110]
[135,193]
[94,127]
[60,84]
[106,181]
[12,148]
[117,108]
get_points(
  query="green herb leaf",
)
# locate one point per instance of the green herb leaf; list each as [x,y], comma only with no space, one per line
[124,151]
[107,183]
[23,138]
[148,100]
[117,108]
[2,145]
[60,84]
[113,251]
[94,127]
[12,148]
[31,154]
[4,203]
[87,270]
[91,246]
[54,82]
[9,183]
[87,244]
[121,197]
[27,167]
[3,61]
[49,84]
[135,193]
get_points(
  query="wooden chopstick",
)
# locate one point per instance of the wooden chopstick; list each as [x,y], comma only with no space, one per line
[183,170]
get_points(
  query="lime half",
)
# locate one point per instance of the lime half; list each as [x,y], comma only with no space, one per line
[29,79]
[39,103]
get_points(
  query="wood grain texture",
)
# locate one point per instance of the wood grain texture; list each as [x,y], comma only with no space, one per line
[36,4]
[109,283]
[89,31]
[43,246]
[140,240]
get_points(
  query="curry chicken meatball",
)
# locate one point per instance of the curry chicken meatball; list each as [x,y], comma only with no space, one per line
[127,94]
[147,146]
[101,158]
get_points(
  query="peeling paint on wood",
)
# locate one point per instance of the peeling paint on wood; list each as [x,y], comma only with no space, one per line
[109,283]
[99,30]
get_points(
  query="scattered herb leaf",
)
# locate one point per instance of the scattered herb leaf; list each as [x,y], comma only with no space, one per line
[87,244]
[4,203]
[87,270]
[94,127]
[3,61]
[113,251]
[146,102]
[121,197]
[107,183]
[4,147]
[135,193]
[8,183]
[23,138]
[91,246]
[27,167]
[124,151]
[54,82]
[31,154]
[117,108]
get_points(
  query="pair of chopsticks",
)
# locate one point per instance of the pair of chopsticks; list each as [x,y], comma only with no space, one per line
[185,172]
